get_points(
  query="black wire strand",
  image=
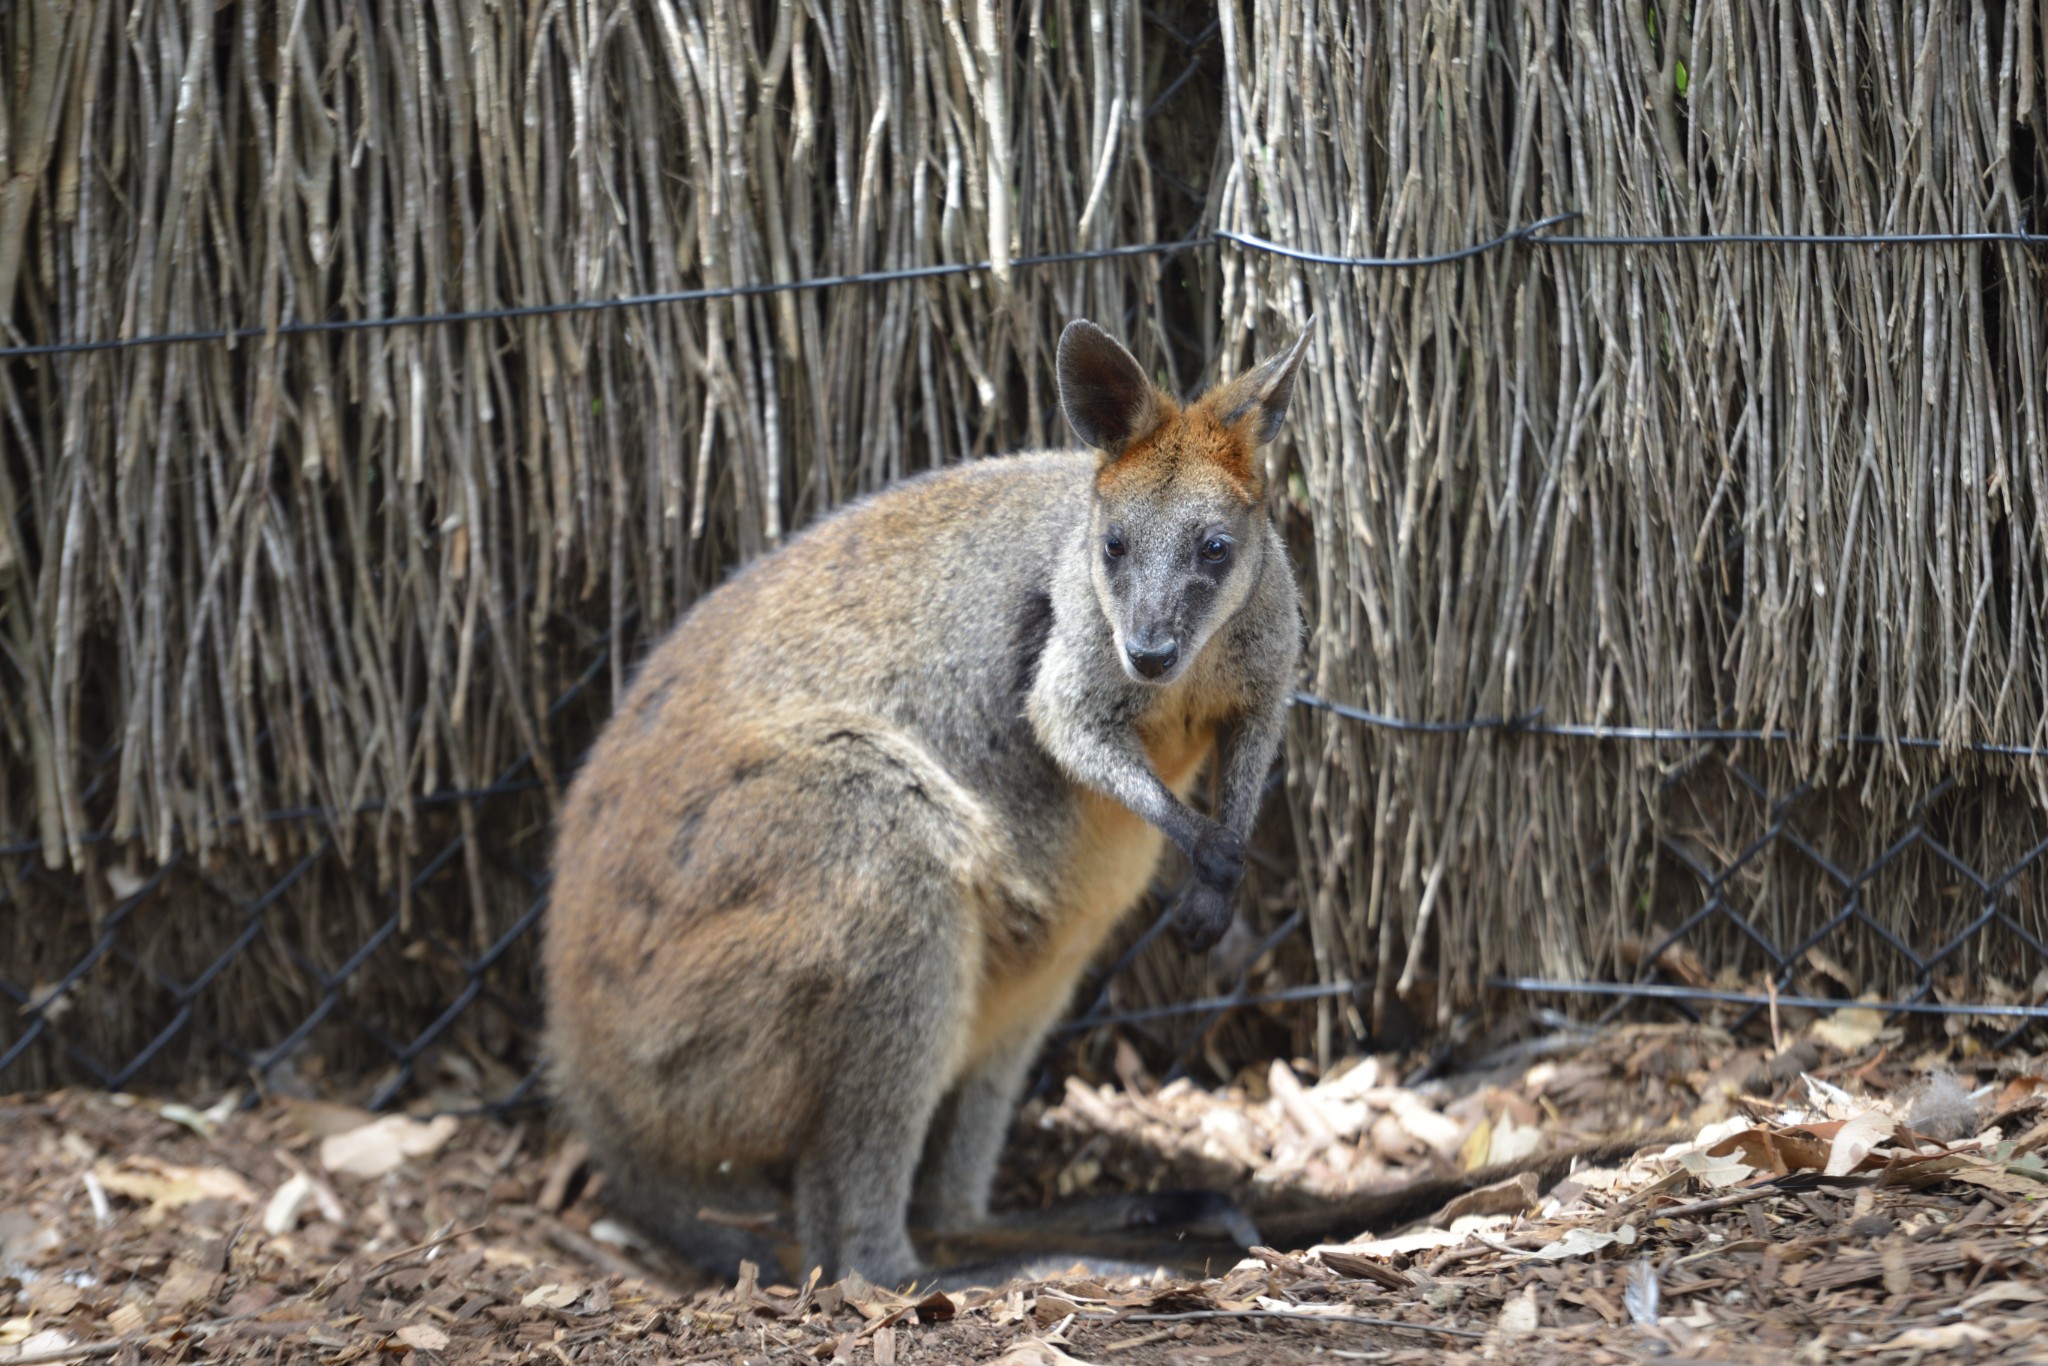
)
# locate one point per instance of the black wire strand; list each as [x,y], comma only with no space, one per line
[1532,233]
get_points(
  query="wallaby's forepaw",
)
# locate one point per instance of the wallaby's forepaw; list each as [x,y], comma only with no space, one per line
[1219,859]
[1201,914]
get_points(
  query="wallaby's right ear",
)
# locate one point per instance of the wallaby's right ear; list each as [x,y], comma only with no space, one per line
[1107,399]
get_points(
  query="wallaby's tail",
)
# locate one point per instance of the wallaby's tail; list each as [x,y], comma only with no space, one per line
[1184,1232]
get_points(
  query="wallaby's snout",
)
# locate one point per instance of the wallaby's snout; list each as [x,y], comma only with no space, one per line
[1152,657]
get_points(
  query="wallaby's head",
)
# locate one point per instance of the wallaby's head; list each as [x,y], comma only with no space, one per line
[1174,526]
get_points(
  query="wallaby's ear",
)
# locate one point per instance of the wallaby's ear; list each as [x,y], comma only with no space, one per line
[1107,399]
[1261,393]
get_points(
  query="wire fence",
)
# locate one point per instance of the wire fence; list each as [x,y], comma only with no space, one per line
[494,977]
[1533,234]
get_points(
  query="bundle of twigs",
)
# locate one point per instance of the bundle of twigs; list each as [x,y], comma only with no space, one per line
[1794,487]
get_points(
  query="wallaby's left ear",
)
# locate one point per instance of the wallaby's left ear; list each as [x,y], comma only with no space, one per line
[1108,401]
[1260,395]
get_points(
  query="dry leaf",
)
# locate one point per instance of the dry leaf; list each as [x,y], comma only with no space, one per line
[552,1296]
[1431,1128]
[1400,1245]
[1512,1142]
[1036,1352]
[186,1285]
[2019,1091]
[1851,1030]
[423,1336]
[937,1307]
[323,1119]
[1518,1315]
[53,1298]
[1943,1339]
[164,1187]
[281,1215]
[1898,1277]
[1718,1173]
[127,1319]
[1516,1195]
[49,1340]
[1855,1139]
[379,1147]
[2005,1178]
[1472,1153]
[1580,1242]
[1051,1308]
[2005,1292]
[1300,1105]
[1778,1151]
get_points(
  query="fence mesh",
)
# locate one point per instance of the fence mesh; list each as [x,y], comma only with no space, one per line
[1724,832]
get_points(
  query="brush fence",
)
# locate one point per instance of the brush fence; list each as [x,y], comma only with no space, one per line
[268,600]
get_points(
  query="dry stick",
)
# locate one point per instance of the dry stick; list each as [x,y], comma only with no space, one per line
[427,1246]
[1194,1314]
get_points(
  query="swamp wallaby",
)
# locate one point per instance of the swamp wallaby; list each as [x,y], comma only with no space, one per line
[834,867]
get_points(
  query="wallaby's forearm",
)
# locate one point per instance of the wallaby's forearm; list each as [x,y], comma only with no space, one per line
[1245,759]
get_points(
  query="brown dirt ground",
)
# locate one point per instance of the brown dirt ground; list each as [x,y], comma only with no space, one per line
[132,1231]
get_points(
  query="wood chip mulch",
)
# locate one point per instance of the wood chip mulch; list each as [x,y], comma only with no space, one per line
[1820,1223]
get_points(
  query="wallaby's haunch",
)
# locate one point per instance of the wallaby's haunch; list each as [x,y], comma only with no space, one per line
[837,862]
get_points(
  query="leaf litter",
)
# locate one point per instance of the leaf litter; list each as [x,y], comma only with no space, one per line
[1825,1202]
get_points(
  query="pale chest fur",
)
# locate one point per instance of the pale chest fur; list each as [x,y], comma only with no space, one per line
[1109,860]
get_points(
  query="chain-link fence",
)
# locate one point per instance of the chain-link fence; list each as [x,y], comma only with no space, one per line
[494,979]
[354,987]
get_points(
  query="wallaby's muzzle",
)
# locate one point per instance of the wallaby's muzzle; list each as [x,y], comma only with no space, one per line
[1154,659]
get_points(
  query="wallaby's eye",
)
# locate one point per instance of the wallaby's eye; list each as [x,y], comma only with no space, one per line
[1216,550]
[1113,546]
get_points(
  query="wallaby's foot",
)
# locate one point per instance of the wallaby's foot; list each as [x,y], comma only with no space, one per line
[1219,859]
[1201,915]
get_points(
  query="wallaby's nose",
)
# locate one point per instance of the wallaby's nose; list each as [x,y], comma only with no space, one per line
[1154,659]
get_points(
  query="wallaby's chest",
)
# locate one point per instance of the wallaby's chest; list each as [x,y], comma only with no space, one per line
[1104,866]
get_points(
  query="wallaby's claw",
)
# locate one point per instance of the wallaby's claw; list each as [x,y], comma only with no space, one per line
[1219,859]
[1201,914]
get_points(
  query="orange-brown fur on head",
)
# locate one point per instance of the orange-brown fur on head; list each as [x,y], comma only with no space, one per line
[1189,445]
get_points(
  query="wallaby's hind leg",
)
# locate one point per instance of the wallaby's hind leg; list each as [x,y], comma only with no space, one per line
[852,1191]
[966,1142]
[854,1172]
[894,847]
